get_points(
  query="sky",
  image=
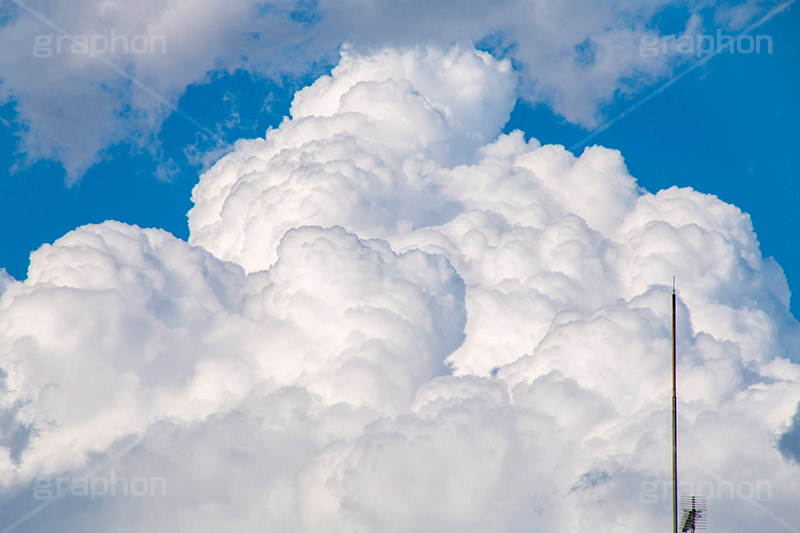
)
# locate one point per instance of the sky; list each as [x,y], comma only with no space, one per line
[372,266]
[731,121]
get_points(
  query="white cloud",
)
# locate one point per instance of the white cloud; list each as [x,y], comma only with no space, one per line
[74,104]
[117,327]
[359,145]
[573,56]
[5,280]
[408,322]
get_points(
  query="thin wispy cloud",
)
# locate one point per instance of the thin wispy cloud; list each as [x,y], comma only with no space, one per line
[76,102]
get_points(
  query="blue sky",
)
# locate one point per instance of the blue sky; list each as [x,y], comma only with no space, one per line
[384,302]
[728,128]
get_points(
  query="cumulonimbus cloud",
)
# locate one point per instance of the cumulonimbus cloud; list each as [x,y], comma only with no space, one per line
[391,317]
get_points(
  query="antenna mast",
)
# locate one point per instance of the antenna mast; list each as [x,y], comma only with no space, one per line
[674,423]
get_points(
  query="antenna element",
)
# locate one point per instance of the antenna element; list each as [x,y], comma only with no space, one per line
[674,423]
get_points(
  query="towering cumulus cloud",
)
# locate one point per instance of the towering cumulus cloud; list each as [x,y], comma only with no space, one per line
[391,317]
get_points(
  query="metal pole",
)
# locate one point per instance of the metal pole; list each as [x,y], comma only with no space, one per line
[674,423]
